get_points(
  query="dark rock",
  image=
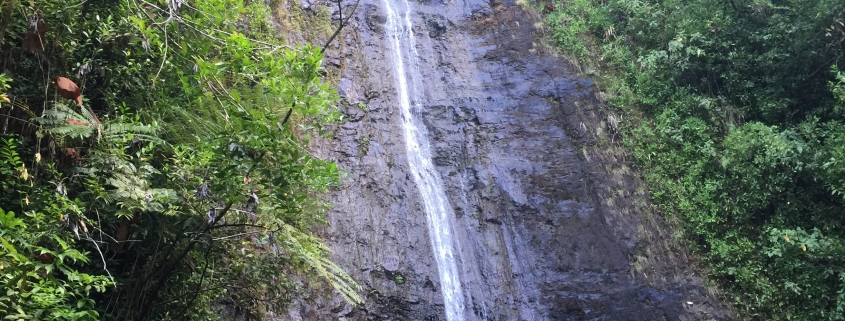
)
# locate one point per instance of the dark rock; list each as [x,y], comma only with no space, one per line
[435,28]
[506,129]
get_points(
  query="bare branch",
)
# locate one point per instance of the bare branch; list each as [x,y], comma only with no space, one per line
[105,267]
[342,23]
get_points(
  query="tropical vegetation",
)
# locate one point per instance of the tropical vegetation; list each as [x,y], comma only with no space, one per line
[735,113]
[183,184]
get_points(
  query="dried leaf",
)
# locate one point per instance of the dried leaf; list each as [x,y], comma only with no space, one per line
[77,122]
[24,173]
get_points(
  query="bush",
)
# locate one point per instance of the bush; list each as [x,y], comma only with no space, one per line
[740,134]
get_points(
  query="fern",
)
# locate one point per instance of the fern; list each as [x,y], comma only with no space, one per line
[129,184]
[63,121]
[307,248]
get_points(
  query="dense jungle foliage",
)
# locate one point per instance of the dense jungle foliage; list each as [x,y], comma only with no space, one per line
[735,113]
[181,185]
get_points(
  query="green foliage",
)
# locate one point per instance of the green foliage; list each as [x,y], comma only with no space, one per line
[181,182]
[737,124]
[37,262]
[802,259]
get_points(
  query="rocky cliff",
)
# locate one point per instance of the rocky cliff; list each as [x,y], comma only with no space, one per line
[549,222]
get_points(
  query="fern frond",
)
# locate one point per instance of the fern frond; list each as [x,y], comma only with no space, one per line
[124,128]
[63,121]
[312,252]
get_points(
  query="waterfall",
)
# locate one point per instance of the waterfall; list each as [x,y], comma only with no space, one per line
[437,208]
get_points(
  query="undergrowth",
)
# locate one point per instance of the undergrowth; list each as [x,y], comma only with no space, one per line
[181,183]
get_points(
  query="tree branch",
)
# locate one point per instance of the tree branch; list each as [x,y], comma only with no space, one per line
[237,225]
[167,269]
[342,23]
[202,278]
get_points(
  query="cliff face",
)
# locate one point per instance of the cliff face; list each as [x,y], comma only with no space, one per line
[510,128]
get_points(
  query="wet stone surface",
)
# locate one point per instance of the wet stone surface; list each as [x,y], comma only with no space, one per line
[535,239]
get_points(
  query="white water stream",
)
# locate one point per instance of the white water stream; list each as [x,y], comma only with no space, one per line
[437,208]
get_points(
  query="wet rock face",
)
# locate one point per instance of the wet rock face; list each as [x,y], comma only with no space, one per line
[535,240]
[436,28]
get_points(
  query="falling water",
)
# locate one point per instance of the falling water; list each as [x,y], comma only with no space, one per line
[437,207]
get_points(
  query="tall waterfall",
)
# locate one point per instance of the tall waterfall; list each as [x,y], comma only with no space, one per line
[438,210]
